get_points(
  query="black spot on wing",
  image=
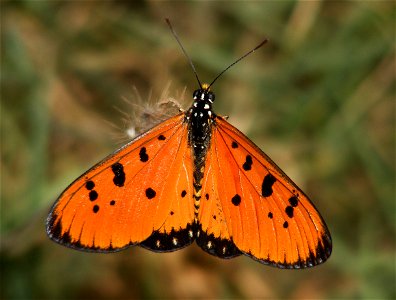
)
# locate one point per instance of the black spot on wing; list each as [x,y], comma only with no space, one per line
[112,202]
[285,224]
[143,154]
[161,137]
[95,208]
[293,200]
[234,145]
[266,187]
[247,165]
[93,195]
[207,196]
[289,211]
[236,200]
[119,175]
[183,193]
[89,185]
[150,193]
[270,215]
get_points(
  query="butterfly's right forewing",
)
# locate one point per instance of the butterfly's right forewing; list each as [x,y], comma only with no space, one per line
[256,208]
[142,194]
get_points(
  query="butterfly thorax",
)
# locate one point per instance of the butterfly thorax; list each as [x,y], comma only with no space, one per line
[200,119]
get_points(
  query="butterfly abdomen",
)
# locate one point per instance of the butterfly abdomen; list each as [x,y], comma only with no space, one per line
[200,119]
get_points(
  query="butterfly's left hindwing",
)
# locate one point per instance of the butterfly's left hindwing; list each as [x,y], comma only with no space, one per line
[139,195]
[249,205]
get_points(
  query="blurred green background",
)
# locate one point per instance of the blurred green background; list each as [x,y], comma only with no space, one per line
[319,99]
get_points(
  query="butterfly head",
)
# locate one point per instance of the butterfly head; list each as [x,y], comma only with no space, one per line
[204,94]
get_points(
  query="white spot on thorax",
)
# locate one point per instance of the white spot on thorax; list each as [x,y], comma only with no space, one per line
[206,106]
[158,243]
[209,245]
[174,241]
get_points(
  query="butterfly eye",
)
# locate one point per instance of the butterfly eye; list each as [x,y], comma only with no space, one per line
[211,97]
[196,94]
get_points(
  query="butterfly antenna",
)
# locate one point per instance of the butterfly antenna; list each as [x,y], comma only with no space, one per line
[238,60]
[184,51]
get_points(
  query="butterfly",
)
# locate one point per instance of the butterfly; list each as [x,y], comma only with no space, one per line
[193,177]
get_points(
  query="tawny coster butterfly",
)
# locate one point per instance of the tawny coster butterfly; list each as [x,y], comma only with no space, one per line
[193,177]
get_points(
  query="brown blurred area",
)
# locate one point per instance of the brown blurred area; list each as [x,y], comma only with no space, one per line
[318,99]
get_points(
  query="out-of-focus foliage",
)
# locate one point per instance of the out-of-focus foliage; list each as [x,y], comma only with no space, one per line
[319,99]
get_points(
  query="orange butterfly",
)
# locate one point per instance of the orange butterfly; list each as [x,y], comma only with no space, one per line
[192,177]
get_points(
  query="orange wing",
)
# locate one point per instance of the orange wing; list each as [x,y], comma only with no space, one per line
[141,194]
[250,206]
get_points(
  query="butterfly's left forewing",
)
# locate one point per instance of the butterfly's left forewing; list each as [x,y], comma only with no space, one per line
[142,194]
[249,205]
